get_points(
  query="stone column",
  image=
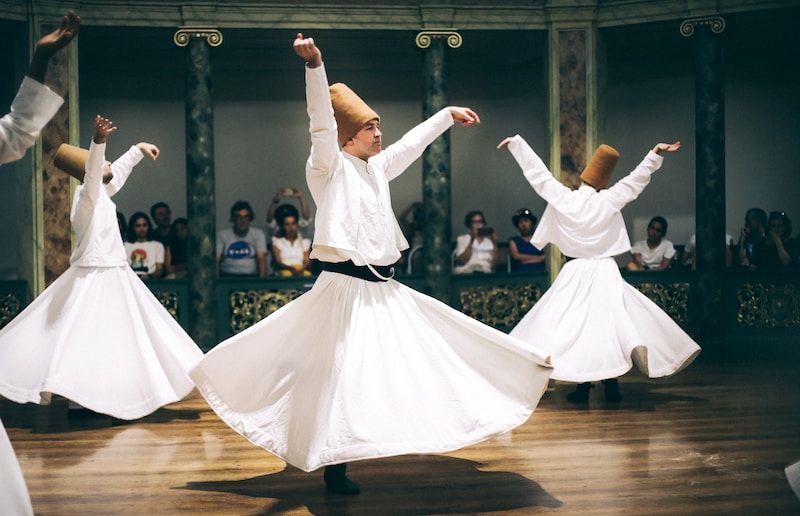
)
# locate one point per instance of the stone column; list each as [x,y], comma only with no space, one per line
[436,189]
[201,207]
[709,177]
[573,106]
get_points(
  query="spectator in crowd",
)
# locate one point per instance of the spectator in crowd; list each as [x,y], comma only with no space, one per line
[777,250]
[752,235]
[690,252]
[123,226]
[412,220]
[179,249]
[145,255]
[655,253]
[287,192]
[241,249]
[289,250]
[525,257]
[162,217]
[477,250]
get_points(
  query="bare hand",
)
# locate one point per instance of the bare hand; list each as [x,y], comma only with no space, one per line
[51,43]
[666,147]
[148,149]
[307,50]
[505,142]
[102,128]
[464,116]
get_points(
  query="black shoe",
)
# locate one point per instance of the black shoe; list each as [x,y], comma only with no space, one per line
[336,480]
[612,391]
[580,394]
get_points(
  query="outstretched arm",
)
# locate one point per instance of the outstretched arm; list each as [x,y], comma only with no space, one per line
[123,166]
[325,151]
[93,180]
[51,43]
[401,154]
[535,170]
[631,186]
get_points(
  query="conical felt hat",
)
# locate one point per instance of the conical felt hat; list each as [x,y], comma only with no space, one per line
[598,172]
[350,111]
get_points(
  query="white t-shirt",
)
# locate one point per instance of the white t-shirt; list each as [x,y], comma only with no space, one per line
[652,257]
[291,252]
[481,259]
[143,256]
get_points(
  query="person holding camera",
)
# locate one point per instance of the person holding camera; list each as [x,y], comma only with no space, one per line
[476,251]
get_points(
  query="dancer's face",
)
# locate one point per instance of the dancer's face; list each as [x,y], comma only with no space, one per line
[367,142]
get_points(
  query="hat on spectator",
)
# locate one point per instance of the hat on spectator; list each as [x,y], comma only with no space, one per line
[72,160]
[598,172]
[350,112]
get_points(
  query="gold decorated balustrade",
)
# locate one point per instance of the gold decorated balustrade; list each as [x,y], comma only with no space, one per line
[768,305]
[673,298]
[250,306]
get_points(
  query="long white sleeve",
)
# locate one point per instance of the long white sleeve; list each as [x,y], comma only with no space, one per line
[93,180]
[34,105]
[405,151]
[326,155]
[631,186]
[537,174]
[122,168]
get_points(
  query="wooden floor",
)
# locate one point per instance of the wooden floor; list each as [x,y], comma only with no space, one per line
[712,440]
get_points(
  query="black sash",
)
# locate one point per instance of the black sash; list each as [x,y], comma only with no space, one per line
[359,271]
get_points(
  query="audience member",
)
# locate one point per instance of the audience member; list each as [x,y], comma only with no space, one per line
[145,255]
[179,249]
[752,234]
[289,250]
[162,217]
[525,257]
[777,250]
[654,253]
[477,250]
[286,192]
[242,250]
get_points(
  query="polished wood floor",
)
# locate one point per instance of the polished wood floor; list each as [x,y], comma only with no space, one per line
[712,440]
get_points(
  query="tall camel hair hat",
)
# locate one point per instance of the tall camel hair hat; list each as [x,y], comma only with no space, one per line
[72,160]
[598,172]
[350,112]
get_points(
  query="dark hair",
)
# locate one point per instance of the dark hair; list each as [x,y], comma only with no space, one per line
[661,220]
[787,223]
[759,214]
[180,220]
[471,214]
[123,226]
[523,213]
[242,205]
[286,210]
[158,205]
[132,221]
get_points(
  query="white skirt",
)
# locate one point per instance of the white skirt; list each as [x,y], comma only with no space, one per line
[14,498]
[98,337]
[595,326]
[357,370]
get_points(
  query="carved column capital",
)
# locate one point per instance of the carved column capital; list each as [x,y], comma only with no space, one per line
[425,37]
[212,35]
[715,23]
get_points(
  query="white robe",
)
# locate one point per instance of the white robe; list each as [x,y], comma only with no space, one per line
[593,323]
[97,335]
[34,105]
[355,369]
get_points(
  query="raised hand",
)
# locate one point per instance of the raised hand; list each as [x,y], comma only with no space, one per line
[307,50]
[51,43]
[148,149]
[464,116]
[666,147]
[102,128]
[503,144]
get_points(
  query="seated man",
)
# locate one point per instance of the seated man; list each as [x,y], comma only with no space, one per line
[655,253]
[525,257]
[242,250]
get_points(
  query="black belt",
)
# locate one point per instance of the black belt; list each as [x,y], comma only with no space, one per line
[359,271]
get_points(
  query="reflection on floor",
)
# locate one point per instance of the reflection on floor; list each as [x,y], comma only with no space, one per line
[711,440]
